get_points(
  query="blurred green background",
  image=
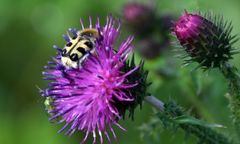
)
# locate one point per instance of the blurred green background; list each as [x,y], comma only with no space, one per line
[29,28]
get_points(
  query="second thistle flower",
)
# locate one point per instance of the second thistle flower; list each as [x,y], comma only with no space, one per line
[207,41]
[139,17]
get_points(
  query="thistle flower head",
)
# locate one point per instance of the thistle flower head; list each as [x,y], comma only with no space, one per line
[207,41]
[94,97]
[136,12]
[139,17]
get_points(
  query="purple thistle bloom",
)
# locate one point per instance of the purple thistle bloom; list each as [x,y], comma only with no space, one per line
[187,26]
[206,39]
[88,98]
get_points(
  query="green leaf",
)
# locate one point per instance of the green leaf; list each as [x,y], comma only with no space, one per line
[184,119]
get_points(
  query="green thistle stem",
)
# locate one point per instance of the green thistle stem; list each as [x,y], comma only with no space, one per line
[159,105]
[231,74]
[170,112]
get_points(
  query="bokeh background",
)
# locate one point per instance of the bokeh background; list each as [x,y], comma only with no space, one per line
[29,28]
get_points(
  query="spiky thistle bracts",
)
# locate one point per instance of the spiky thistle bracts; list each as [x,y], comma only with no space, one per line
[94,97]
[206,39]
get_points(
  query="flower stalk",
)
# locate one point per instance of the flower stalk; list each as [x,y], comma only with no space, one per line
[174,116]
[159,105]
[231,74]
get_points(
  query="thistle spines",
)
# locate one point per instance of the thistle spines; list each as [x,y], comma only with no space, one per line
[207,39]
[198,128]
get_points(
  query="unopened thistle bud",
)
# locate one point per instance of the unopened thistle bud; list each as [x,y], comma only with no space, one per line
[207,41]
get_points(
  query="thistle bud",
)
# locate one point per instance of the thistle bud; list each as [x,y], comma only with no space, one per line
[206,40]
[150,48]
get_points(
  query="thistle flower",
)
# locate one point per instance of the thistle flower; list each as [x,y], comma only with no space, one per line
[94,97]
[139,17]
[207,41]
